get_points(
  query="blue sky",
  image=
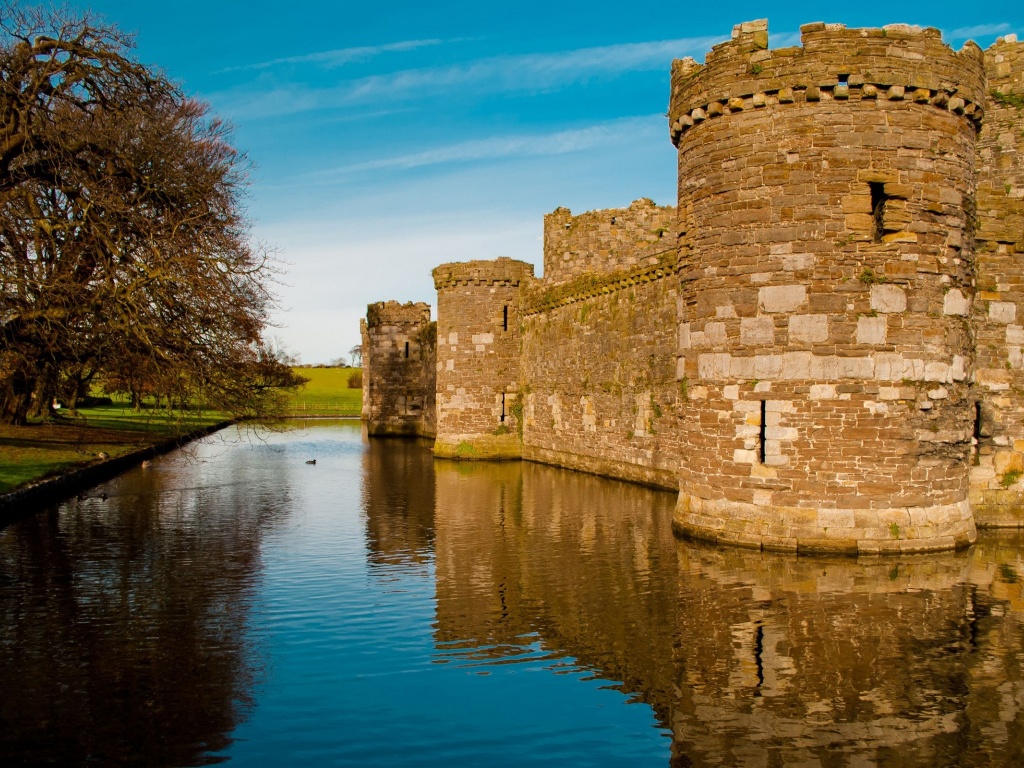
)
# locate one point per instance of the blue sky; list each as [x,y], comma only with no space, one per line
[391,137]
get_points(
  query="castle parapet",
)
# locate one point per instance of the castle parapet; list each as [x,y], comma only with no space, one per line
[897,63]
[599,243]
[399,357]
[500,271]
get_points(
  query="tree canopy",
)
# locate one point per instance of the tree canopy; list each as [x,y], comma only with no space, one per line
[125,253]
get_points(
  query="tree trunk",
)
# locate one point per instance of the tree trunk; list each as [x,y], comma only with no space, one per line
[41,406]
[14,399]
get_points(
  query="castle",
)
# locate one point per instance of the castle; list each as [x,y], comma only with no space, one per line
[819,348]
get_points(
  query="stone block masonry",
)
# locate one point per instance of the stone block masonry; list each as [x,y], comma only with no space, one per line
[478,361]
[399,369]
[997,494]
[821,345]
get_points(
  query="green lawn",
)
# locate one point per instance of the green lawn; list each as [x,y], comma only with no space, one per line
[326,394]
[40,450]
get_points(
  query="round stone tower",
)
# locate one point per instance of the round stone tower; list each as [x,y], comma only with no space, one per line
[478,404]
[828,195]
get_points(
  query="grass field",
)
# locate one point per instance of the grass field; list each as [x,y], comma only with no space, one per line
[326,394]
[38,451]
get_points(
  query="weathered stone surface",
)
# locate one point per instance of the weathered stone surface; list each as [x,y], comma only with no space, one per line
[888,298]
[399,369]
[781,298]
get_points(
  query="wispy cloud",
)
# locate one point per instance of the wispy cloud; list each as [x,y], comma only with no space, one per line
[978,30]
[520,145]
[340,56]
[511,73]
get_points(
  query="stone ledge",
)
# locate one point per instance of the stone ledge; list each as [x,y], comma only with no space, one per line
[592,465]
[584,288]
[840,92]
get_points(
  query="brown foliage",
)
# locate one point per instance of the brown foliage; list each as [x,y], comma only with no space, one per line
[123,247]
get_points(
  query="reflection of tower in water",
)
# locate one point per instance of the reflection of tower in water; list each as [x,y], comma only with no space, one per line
[398,501]
[583,565]
[841,662]
[749,658]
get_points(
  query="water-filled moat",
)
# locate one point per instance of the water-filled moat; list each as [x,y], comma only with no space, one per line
[381,607]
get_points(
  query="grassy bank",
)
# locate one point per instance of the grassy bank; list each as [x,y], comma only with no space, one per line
[39,451]
[326,394]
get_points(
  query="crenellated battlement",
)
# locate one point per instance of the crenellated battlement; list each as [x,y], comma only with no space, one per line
[396,313]
[897,63]
[499,271]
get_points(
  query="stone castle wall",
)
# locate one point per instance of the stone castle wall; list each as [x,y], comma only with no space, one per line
[599,376]
[823,338]
[399,369]
[602,242]
[996,491]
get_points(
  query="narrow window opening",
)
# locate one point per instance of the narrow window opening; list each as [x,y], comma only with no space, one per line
[844,78]
[761,436]
[759,656]
[977,421]
[878,198]
[504,317]
[502,407]
[407,349]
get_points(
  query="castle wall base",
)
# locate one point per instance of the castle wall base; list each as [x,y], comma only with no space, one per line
[618,470]
[830,531]
[479,447]
[1003,508]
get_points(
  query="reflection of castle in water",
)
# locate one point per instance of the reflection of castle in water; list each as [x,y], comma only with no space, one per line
[398,500]
[749,658]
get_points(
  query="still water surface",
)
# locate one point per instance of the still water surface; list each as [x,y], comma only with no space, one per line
[382,608]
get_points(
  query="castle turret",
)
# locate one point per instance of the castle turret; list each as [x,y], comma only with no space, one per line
[399,366]
[823,339]
[997,493]
[478,407]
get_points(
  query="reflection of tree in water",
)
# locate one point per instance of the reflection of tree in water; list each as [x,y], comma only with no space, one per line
[750,658]
[123,624]
[398,501]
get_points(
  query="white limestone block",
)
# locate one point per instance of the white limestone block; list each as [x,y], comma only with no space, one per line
[1015,334]
[713,366]
[888,298]
[808,328]
[767,366]
[714,334]
[797,261]
[955,303]
[796,365]
[741,456]
[1002,311]
[871,330]
[684,336]
[823,392]
[781,298]
[757,331]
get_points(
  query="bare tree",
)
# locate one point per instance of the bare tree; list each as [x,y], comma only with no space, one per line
[123,246]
